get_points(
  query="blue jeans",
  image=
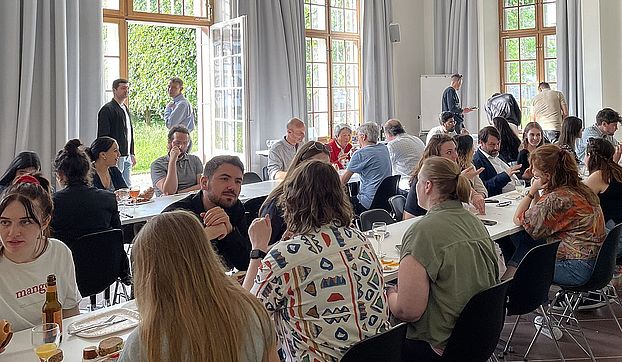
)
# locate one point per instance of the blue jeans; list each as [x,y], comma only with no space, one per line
[573,271]
[125,166]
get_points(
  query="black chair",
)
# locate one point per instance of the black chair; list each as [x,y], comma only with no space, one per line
[97,258]
[251,178]
[571,295]
[265,174]
[529,289]
[251,206]
[371,216]
[397,203]
[387,188]
[385,347]
[477,330]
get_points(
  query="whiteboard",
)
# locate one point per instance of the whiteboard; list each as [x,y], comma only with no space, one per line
[432,88]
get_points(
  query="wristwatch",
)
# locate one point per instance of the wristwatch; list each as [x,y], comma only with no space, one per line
[257,254]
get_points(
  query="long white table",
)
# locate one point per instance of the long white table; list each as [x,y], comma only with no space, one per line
[502,215]
[20,348]
[146,211]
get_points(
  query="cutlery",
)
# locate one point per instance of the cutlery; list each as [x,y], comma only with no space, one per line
[126,215]
[106,323]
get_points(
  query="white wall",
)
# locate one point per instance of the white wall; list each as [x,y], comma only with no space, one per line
[412,57]
[489,67]
[611,52]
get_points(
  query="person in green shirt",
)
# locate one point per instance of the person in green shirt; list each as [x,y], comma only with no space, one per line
[447,257]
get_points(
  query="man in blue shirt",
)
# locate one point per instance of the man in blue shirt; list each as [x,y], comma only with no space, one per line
[179,110]
[373,164]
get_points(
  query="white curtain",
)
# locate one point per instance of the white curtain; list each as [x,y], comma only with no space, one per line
[377,59]
[276,48]
[456,51]
[51,75]
[570,55]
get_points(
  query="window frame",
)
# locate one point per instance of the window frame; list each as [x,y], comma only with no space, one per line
[329,35]
[539,32]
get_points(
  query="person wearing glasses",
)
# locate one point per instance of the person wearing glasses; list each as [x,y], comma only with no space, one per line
[271,207]
[178,171]
[282,152]
[447,126]
[373,164]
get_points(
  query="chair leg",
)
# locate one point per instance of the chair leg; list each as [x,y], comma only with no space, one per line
[568,322]
[606,298]
[107,297]
[508,348]
[93,299]
[550,326]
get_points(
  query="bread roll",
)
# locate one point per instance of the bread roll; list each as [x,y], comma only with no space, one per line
[110,345]
[6,333]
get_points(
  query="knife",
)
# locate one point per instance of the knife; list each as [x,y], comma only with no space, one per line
[98,325]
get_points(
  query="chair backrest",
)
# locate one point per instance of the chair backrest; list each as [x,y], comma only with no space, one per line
[605,263]
[251,206]
[477,330]
[532,280]
[264,173]
[386,347]
[387,188]
[371,216]
[397,203]
[251,178]
[97,257]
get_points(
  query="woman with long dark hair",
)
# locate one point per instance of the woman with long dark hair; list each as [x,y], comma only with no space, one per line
[570,135]
[510,142]
[26,162]
[533,137]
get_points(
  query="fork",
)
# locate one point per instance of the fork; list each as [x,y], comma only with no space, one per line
[108,322]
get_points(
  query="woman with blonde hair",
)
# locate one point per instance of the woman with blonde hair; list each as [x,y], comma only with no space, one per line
[324,286]
[465,151]
[190,310]
[442,145]
[447,257]
[559,207]
[311,150]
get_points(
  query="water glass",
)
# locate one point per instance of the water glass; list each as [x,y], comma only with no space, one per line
[379,230]
[45,339]
[520,186]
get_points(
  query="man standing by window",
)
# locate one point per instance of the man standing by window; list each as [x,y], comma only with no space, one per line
[451,102]
[114,120]
[549,109]
[179,110]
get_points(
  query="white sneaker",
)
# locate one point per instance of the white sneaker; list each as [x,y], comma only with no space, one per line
[556,331]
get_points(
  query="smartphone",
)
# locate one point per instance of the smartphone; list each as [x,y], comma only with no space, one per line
[504,203]
[489,222]
[491,201]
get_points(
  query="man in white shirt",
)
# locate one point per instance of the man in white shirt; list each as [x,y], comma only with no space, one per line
[498,176]
[549,109]
[448,126]
[405,150]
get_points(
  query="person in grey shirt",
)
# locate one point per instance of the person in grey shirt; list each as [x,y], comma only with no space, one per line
[606,126]
[282,152]
[405,150]
[178,171]
[179,110]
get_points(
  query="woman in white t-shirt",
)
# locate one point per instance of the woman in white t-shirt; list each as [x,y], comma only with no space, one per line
[28,256]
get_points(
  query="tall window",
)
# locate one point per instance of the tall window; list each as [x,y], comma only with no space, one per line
[528,51]
[333,64]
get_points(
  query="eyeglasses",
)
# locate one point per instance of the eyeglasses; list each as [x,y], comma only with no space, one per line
[318,146]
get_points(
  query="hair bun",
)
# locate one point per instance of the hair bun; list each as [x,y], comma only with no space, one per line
[72,145]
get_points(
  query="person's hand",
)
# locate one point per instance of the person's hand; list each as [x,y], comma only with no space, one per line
[536,185]
[471,172]
[465,132]
[216,231]
[171,104]
[174,153]
[477,200]
[467,110]
[342,157]
[513,170]
[617,154]
[147,194]
[133,160]
[217,215]
[260,232]
[528,174]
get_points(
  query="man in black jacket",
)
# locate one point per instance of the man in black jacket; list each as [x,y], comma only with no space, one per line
[451,102]
[504,105]
[114,120]
[217,206]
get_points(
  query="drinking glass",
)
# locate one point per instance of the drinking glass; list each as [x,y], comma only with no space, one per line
[134,192]
[45,339]
[379,229]
[122,196]
[520,186]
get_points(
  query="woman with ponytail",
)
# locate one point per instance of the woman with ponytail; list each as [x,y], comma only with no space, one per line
[559,207]
[447,257]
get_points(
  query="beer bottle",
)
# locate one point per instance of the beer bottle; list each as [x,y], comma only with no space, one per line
[52,309]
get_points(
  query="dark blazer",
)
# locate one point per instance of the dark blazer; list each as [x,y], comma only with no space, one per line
[115,176]
[493,181]
[111,122]
[234,248]
[81,210]
[451,103]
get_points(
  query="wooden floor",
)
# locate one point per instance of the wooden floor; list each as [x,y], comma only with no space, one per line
[599,327]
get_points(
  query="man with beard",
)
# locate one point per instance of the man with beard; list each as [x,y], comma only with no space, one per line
[497,174]
[219,210]
[178,171]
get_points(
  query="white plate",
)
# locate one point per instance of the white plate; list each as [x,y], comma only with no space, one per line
[131,322]
[145,202]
